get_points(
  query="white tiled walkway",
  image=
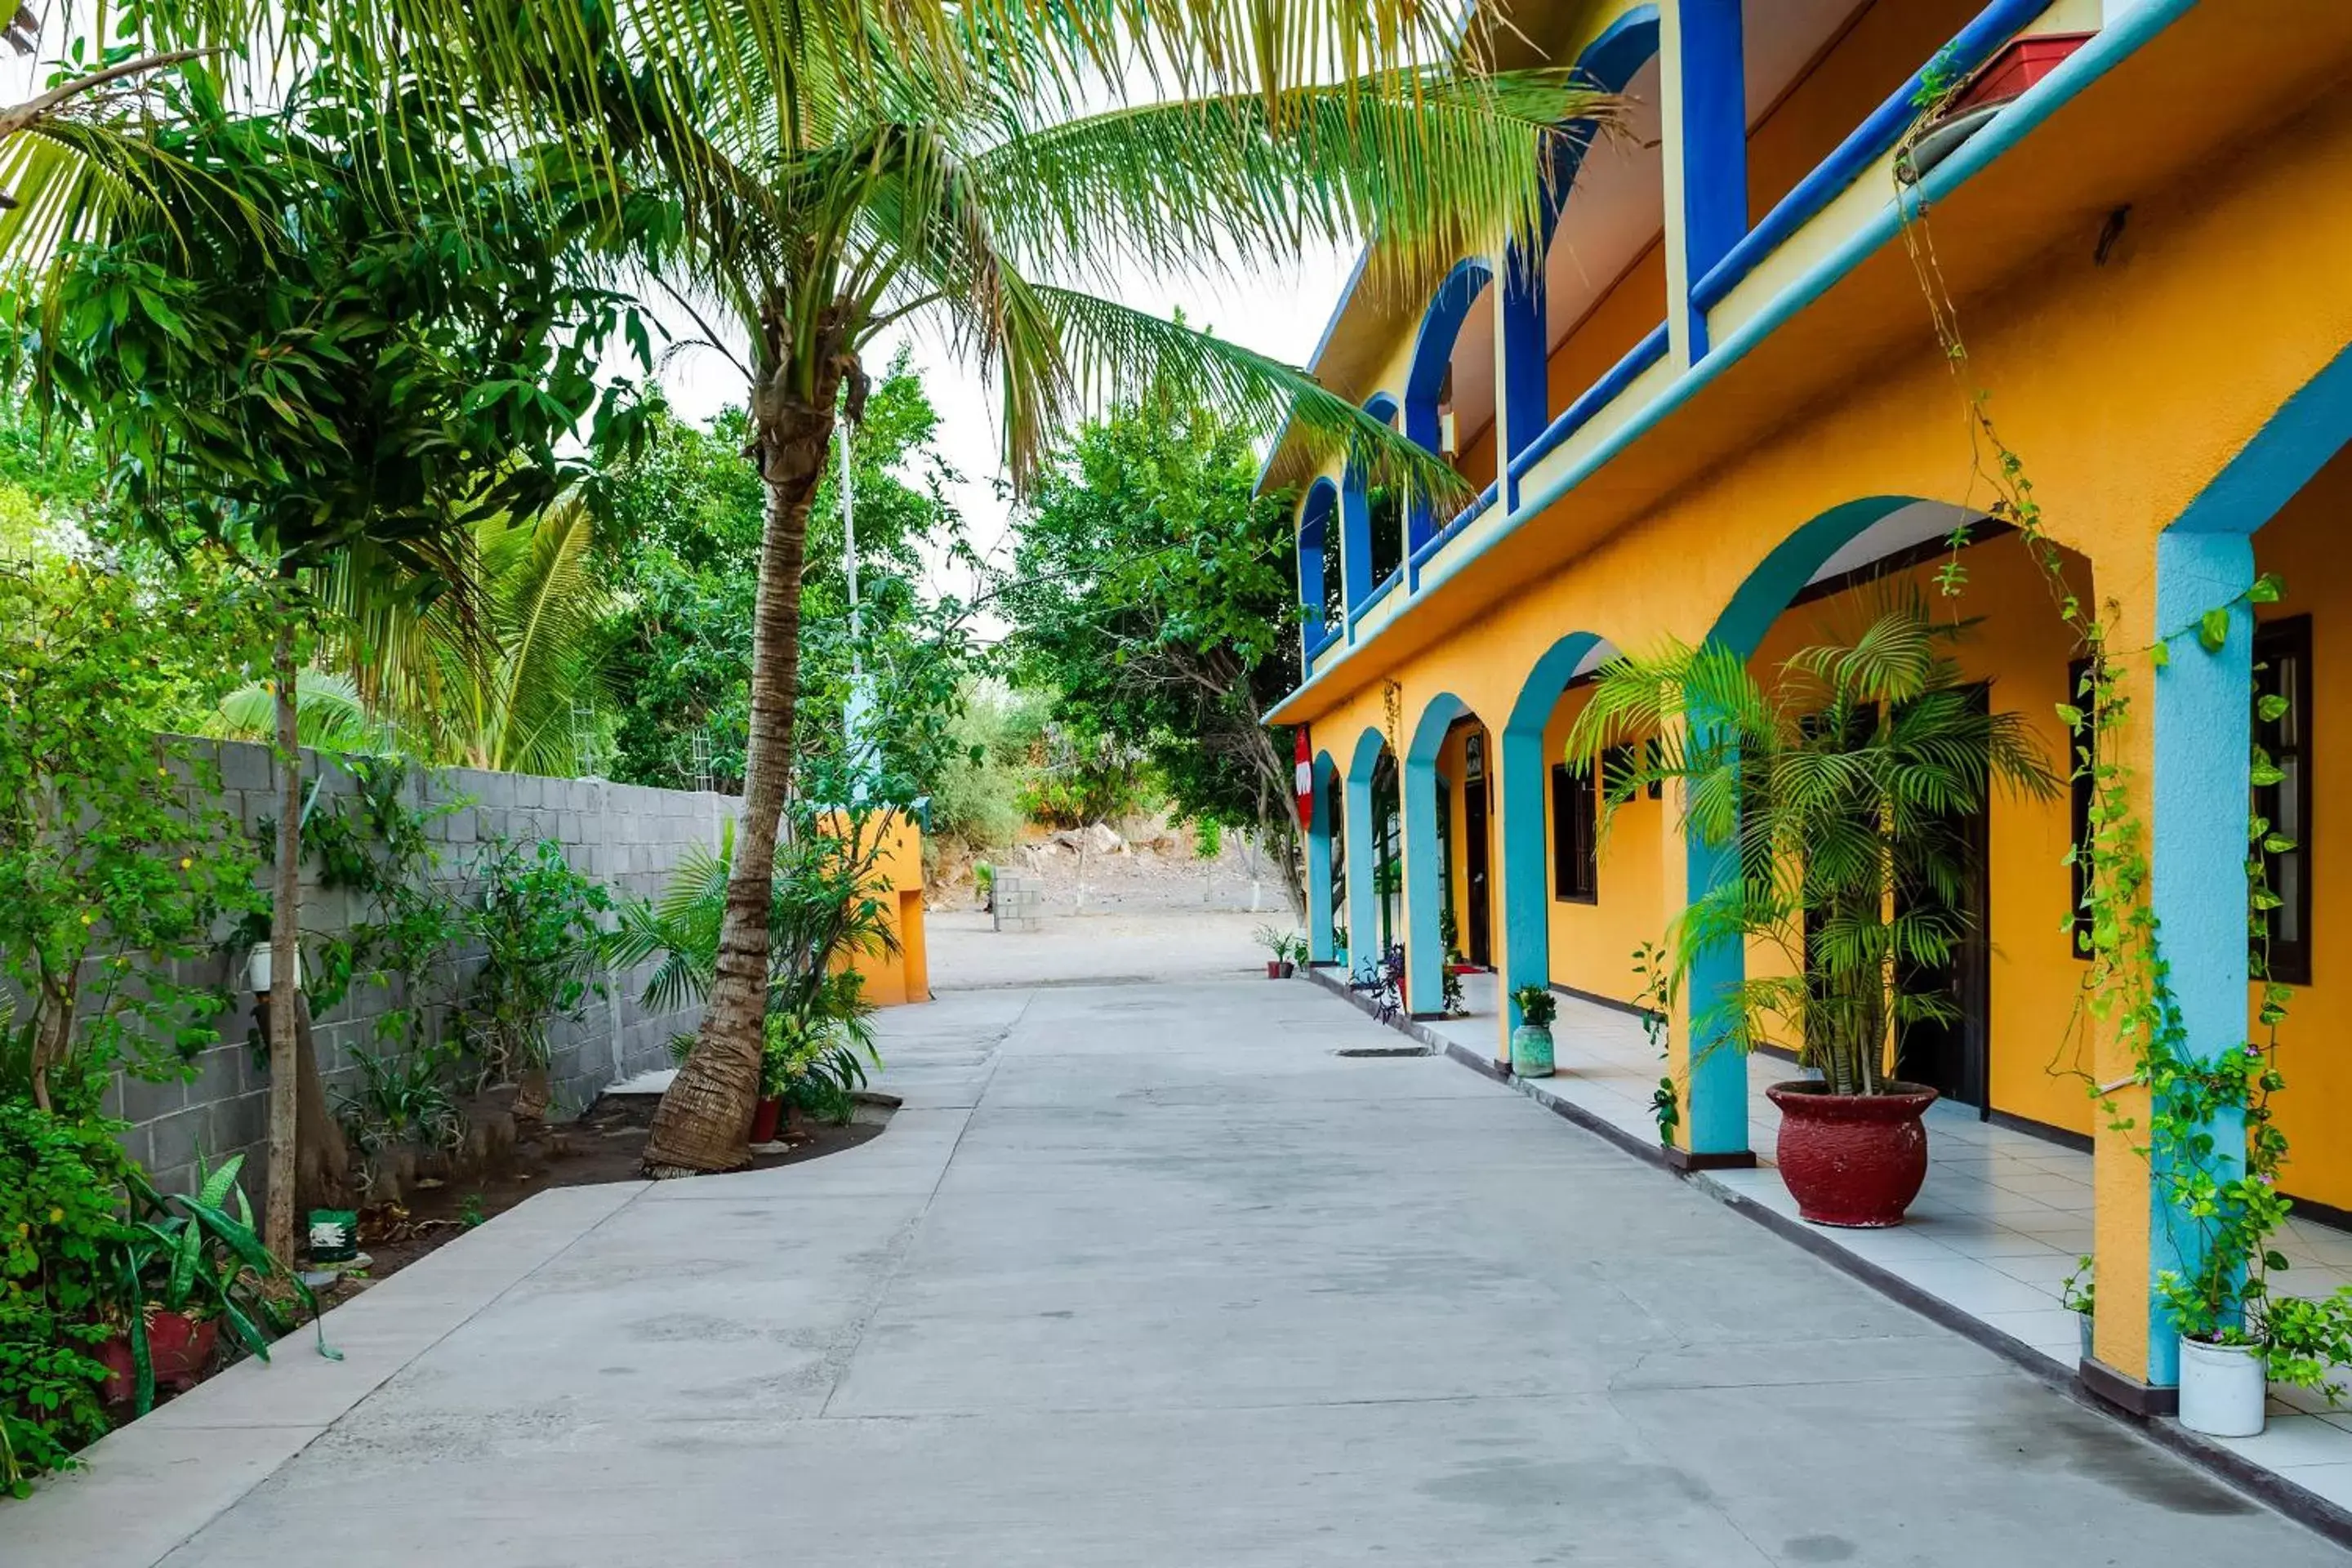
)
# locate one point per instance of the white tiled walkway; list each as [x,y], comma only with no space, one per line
[2004,1218]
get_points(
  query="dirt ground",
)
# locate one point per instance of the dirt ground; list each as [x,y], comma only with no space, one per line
[604,1145]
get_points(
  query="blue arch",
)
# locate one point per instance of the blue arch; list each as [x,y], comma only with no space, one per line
[1424,951]
[1521,335]
[1432,351]
[1314,519]
[1363,901]
[1320,946]
[1356,515]
[1715,1117]
[1526,848]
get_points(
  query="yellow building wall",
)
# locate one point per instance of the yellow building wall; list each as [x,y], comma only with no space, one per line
[1593,944]
[2128,375]
[896,881]
[1881,46]
[2304,545]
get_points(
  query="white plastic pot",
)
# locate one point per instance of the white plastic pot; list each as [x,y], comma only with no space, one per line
[2222,1388]
[257,969]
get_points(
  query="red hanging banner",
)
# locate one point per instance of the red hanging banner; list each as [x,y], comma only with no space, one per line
[1306,780]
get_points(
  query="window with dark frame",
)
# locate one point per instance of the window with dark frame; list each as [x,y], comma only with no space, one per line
[2283,669]
[1575,860]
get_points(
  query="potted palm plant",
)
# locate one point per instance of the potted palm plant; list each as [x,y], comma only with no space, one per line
[1838,796]
[1531,1041]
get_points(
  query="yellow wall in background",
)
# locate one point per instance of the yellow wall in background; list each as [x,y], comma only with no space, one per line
[1593,944]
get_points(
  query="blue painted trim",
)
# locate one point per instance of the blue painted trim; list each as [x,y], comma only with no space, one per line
[2013,125]
[2307,430]
[1714,102]
[1869,142]
[1432,351]
[1331,633]
[1461,519]
[1315,518]
[1596,398]
[1522,322]
[1380,590]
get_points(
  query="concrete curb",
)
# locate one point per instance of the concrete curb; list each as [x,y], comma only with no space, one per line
[2258,1481]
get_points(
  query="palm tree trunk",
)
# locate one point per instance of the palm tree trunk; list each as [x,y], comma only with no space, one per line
[704,1122]
[285,1073]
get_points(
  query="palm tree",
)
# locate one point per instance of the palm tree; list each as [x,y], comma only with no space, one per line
[496,685]
[813,175]
[1839,792]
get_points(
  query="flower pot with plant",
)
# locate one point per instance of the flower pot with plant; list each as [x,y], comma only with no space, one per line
[2078,1293]
[1285,948]
[1531,1041]
[188,1266]
[1838,797]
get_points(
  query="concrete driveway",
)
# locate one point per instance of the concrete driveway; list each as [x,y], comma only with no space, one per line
[1142,1275]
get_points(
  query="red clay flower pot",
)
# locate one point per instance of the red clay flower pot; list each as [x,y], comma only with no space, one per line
[1274,969]
[764,1118]
[179,1347]
[1853,1160]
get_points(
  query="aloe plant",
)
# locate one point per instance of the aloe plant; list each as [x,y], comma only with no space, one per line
[188,1254]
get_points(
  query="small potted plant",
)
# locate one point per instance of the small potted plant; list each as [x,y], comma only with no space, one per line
[188,1266]
[2237,1336]
[2079,1295]
[1832,793]
[1286,949]
[1531,1041]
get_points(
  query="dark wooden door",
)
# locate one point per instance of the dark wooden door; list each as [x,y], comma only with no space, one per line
[1474,834]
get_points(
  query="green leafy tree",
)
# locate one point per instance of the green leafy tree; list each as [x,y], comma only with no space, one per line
[820,173]
[681,535]
[366,344]
[1153,590]
[113,867]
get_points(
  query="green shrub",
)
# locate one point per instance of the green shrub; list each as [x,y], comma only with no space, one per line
[61,1175]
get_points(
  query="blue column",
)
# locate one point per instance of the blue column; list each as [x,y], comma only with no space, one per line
[1707,106]
[1424,953]
[1363,902]
[1355,541]
[1319,870]
[1526,868]
[2201,778]
[1714,1113]
[1520,328]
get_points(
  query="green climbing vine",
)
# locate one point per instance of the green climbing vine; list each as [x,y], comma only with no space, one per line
[2225,1190]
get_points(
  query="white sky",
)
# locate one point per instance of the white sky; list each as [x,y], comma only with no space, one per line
[1279,313]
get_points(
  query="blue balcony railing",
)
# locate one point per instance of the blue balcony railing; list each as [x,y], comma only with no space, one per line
[1597,396]
[1871,140]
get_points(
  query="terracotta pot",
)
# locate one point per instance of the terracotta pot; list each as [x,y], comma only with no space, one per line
[179,1347]
[764,1118]
[1853,1160]
[1274,969]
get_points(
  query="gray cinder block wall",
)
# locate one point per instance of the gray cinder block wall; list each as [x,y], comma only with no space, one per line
[627,837]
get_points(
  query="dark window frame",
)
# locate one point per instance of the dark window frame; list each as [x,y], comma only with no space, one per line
[2287,640]
[1575,846]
